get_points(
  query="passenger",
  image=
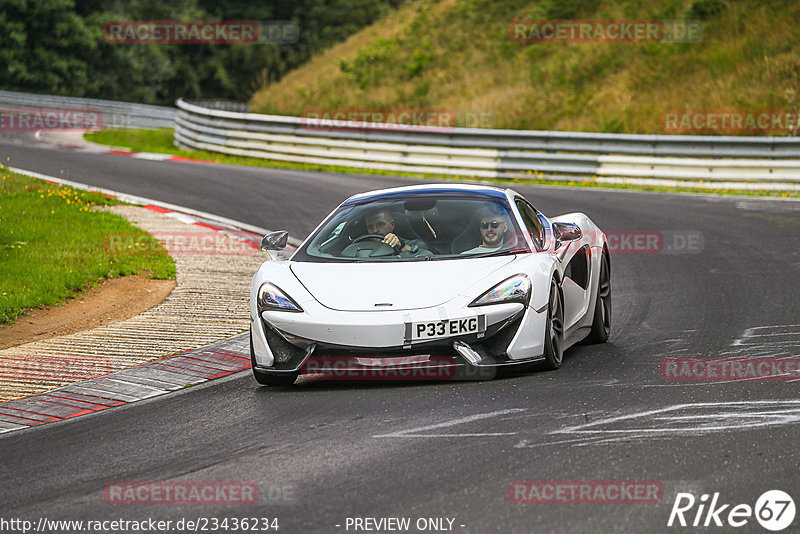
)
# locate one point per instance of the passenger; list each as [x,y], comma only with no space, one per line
[493,228]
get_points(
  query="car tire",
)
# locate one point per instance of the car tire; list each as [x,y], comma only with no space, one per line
[601,323]
[268,379]
[554,330]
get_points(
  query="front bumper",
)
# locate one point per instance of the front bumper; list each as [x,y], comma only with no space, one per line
[285,342]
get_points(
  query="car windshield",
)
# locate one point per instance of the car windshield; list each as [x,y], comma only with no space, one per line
[426,228]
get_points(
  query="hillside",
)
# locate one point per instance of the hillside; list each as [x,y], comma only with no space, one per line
[458,55]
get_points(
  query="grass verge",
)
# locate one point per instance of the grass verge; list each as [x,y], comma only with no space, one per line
[160,141]
[54,242]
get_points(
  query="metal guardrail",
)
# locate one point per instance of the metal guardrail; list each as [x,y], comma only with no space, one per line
[485,152]
[115,114]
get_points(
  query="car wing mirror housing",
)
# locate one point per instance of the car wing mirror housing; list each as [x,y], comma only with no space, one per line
[566,232]
[274,242]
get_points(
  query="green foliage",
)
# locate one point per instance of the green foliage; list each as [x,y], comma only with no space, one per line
[460,55]
[420,59]
[421,90]
[370,63]
[57,47]
[706,9]
[568,9]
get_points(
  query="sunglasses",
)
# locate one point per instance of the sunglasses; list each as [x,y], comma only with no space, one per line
[494,224]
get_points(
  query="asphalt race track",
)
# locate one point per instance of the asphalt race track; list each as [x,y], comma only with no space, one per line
[325,451]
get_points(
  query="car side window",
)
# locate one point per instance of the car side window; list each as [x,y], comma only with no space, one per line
[532,222]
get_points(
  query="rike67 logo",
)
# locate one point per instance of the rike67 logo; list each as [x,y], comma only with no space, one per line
[774,510]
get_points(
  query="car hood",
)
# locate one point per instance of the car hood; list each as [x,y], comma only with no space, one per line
[404,285]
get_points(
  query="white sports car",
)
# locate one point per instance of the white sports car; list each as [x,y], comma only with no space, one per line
[420,281]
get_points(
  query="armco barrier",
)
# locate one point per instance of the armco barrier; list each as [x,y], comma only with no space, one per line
[114,114]
[488,153]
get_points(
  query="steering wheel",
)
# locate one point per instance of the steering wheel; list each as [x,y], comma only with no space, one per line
[369,249]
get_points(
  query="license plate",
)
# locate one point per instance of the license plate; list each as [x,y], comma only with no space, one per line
[445,328]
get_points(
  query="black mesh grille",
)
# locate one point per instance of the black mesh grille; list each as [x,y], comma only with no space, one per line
[282,350]
[497,345]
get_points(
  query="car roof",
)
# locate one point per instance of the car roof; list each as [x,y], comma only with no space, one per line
[432,189]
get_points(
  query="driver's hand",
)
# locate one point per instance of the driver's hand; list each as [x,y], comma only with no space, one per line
[391,240]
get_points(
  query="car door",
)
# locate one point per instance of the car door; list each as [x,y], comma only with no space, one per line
[573,257]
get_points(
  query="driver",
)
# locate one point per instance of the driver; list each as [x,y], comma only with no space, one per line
[381,222]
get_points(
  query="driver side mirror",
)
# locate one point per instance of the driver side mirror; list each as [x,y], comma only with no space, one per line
[566,232]
[274,242]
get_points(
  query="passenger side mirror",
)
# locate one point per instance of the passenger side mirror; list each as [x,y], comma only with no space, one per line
[566,232]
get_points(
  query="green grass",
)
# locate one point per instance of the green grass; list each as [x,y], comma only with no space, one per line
[160,141]
[137,140]
[54,242]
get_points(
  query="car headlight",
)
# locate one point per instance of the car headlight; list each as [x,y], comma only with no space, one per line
[270,297]
[514,289]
